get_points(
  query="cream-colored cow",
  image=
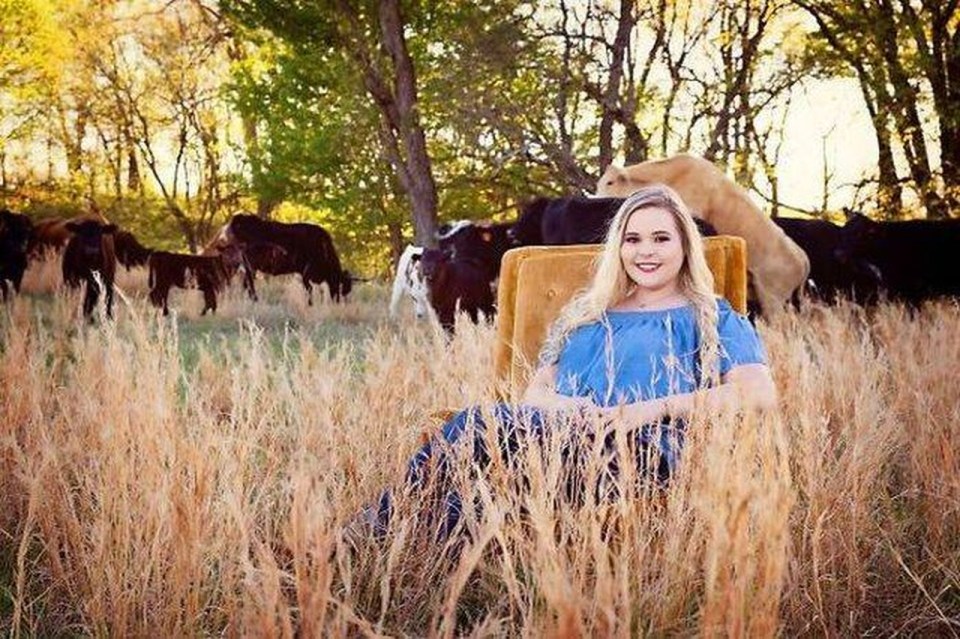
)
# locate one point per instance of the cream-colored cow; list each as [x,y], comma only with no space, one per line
[777,266]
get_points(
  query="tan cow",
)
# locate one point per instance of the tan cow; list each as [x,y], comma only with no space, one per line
[778,267]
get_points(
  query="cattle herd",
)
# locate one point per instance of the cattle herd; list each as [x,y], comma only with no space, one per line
[863,260]
[91,247]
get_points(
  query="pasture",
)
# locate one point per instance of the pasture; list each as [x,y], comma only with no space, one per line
[192,476]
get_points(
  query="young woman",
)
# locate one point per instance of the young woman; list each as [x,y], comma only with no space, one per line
[637,350]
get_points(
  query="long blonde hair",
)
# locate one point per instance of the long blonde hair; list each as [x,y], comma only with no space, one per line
[611,285]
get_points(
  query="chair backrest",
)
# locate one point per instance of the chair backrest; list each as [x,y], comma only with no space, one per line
[536,282]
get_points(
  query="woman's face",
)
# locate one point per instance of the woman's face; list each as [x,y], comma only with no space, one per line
[651,250]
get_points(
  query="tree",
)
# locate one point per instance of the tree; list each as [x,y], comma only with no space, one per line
[372,36]
[903,54]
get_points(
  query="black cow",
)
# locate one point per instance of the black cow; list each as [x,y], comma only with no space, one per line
[307,249]
[572,220]
[88,257]
[208,273]
[454,283]
[916,259]
[831,277]
[264,257]
[130,252]
[483,243]
[15,233]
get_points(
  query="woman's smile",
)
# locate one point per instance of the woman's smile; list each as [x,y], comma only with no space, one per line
[652,253]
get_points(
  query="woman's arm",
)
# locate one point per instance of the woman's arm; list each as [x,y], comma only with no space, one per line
[748,386]
[541,393]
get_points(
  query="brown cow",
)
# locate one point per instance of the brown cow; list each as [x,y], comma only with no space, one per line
[89,258]
[777,266]
[51,235]
[208,273]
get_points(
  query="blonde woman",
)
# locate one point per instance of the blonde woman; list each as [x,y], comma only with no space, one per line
[648,337]
[637,350]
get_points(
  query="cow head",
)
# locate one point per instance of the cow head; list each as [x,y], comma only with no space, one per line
[345,283]
[417,286]
[244,228]
[88,236]
[854,252]
[857,236]
[433,264]
[615,182]
[231,256]
[528,230]
[15,233]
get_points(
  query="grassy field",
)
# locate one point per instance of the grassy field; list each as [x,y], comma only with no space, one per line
[192,476]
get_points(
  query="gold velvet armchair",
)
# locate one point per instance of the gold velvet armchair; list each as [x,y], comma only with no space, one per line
[536,281]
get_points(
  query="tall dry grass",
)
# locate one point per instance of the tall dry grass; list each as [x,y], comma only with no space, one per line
[150,493]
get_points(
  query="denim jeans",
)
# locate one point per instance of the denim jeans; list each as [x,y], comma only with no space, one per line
[517,427]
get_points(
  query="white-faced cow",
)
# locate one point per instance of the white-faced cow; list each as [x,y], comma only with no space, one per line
[409,280]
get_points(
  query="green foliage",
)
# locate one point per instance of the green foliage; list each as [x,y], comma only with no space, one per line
[318,131]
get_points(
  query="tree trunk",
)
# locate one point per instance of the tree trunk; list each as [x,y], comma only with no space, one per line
[889,192]
[396,242]
[907,119]
[133,170]
[611,97]
[420,186]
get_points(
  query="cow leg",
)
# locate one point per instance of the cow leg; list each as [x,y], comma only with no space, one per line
[158,297]
[309,287]
[488,309]
[3,289]
[91,295]
[447,317]
[109,296]
[248,275]
[209,301]
[17,278]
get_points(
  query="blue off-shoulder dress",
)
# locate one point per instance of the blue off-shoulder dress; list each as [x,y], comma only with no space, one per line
[624,357]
